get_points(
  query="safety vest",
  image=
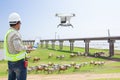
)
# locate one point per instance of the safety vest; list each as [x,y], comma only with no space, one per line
[9,56]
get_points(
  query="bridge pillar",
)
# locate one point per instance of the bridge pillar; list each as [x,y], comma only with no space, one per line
[86,47]
[33,42]
[27,42]
[53,44]
[1,44]
[46,43]
[30,42]
[41,44]
[71,45]
[111,47]
[61,44]
[24,42]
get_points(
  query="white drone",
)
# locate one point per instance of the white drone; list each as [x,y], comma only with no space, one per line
[65,19]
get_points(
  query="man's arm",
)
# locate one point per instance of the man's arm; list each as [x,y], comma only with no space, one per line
[18,44]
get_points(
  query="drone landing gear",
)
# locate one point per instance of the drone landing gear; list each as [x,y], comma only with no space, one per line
[65,25]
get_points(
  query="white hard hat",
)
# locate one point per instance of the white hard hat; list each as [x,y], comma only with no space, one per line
[14,18]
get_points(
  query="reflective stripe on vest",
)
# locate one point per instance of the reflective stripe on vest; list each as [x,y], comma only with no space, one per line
[12,57]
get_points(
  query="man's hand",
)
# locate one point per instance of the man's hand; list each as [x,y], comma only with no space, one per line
[29,48]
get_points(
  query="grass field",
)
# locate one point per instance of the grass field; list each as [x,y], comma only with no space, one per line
[110,66]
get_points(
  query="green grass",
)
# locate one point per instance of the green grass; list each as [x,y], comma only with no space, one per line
[3,68]
[109,67]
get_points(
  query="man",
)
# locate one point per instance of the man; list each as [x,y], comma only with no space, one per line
[15,51]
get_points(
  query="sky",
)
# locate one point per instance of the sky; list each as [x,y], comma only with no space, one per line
[93,18]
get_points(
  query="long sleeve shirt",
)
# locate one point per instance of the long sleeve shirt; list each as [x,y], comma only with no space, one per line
[15,44]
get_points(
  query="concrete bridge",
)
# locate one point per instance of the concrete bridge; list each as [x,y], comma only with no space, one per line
[111,40]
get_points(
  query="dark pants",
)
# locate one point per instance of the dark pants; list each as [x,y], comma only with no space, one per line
[17,71]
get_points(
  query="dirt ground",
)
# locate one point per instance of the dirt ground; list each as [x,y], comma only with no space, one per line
[85,76]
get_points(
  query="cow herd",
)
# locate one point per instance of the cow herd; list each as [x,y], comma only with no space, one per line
[52,67]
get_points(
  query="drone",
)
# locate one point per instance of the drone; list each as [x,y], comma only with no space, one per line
[65,19]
